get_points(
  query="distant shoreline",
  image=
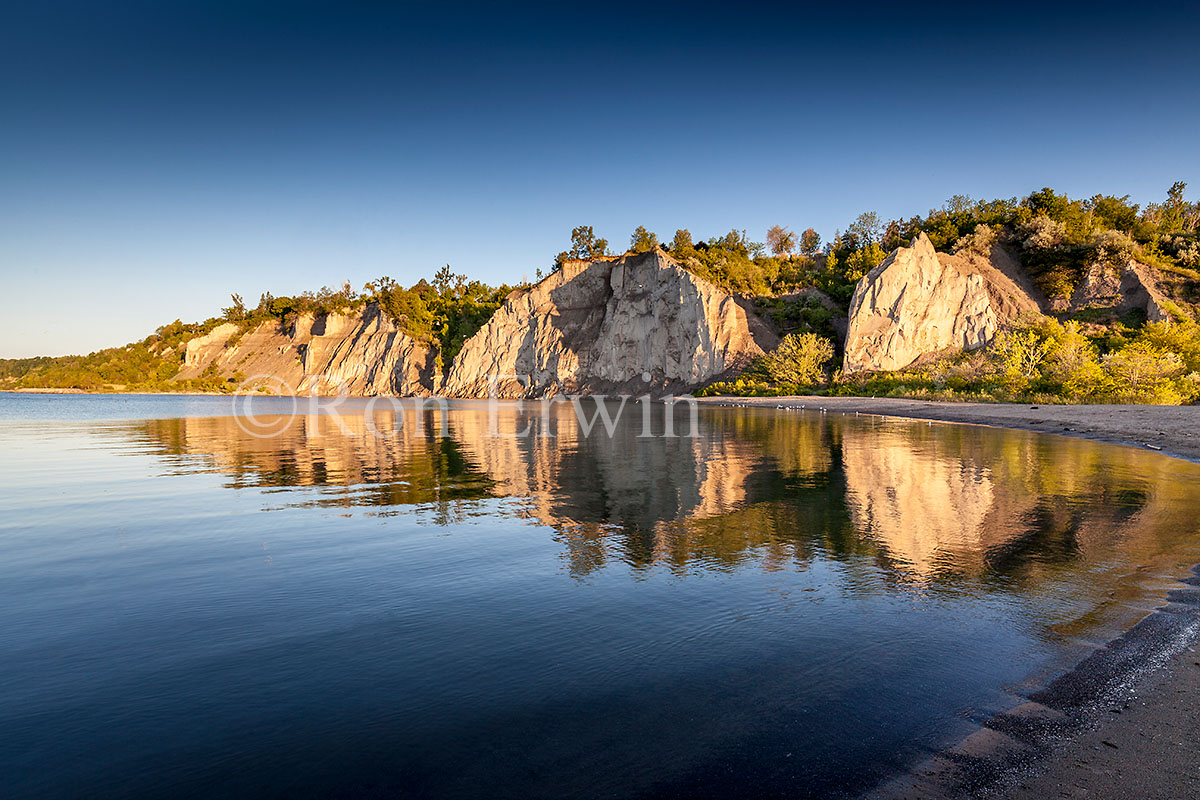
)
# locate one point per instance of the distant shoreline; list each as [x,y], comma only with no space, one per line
[1170,430]
[116,393]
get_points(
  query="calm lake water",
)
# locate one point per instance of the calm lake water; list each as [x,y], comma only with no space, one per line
[788,604]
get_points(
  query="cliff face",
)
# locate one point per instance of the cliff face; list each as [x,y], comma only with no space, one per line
[1130,287]
[363,352]
[593,326]
[632,324]
[369,356]
[919,302]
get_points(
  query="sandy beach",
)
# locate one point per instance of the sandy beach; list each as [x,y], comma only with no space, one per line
[1141,740]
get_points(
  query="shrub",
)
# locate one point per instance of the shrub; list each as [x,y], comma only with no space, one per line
[1041,233]
[1143,373]
[799,360]
[1074,363]
[1178,337]
[1113,247]
[979,242]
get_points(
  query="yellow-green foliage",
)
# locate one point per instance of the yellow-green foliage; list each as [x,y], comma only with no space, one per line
[444,313]
[1144,373]
[1178,337]
[739,265]
[1045,360]
[861,261]
[1041,360]
[799,360]
[148,365]
[747,387]
[797,366]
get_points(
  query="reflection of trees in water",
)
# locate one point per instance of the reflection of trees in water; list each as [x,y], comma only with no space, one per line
[342,459]
[905,501]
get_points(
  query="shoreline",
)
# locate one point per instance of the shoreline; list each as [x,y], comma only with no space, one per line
[1171,430]
[1123,720]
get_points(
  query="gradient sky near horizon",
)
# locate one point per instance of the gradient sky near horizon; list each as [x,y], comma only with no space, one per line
[156,157]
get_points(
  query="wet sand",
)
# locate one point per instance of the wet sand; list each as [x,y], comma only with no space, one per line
[1125,722]
[1145,745]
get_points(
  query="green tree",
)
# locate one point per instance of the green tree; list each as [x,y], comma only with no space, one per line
[236,312]
[861,261]
[444,280]
[1174,211]
[1143,373]
[682,241]
[799,360]
[642,240]
[584,245]
[1072,215]
[1115,213]
[1073,362]
[734,242]
[1182,338]
[1020,354]
[866,228]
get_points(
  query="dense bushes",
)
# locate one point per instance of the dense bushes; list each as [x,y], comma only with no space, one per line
[799,360]
[797,365]
[1057,237]
[735,263]
[444,313]
[1041,360]
[1045,360]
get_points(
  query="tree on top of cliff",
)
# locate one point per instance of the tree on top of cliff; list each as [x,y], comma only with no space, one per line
[681,242]
[236,312]
[866,228]
[780,240]
[445,281]
[584,245]
[642,240]
[810,242]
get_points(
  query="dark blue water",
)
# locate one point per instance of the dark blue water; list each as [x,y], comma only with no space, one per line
[785,605]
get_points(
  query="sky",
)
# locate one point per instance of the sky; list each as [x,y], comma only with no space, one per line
[156,157]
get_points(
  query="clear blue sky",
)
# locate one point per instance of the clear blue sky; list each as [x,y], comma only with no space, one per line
[156,156]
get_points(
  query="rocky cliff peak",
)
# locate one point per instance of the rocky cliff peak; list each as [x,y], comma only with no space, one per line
[636,323]
[919,301]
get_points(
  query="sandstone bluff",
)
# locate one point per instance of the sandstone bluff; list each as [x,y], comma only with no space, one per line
[638,323]
[634,324]
[919,301]
[642,323]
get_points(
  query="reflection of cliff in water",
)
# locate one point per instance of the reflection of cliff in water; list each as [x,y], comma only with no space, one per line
[964,500]
[907,501]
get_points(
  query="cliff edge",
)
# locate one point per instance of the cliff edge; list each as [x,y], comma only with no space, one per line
[633,324]
[919,301]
